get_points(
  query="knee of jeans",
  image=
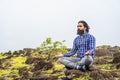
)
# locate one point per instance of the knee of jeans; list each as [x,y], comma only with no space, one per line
[60,59]
[88,61]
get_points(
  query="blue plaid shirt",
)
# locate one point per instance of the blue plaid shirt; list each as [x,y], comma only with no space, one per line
[82,44]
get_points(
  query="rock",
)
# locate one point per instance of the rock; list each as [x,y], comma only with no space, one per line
[23,71]
[116,57]
[9,53]
[16,53]
[118,66]
[29,60]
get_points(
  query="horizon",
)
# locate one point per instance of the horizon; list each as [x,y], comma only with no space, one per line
[38,46]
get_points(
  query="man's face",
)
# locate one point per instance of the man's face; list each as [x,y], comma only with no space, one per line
[80,26]
[81,29]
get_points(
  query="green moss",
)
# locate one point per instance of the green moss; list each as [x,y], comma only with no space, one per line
[9,72]
[61,74]
[10,79]
[105,66]
[84,78]
[81,78]
[15,73]
[1,56]
[15,63]
[19,62]
[34,54]
[19,59]
[48,71]
[105,70]
[58,66]
[4,72]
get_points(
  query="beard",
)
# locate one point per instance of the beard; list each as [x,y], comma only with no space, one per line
[80,32]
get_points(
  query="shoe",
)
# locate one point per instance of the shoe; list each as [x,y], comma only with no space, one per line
[68,68]
[87,67]
[82,68]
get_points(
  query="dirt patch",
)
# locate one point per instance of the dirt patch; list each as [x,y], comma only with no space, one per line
[101,61]
[2,78]
[23,71]
[71,74]
[43,65]
[103,52]
[116,58]
[44,78]
[31,60]
[100,75]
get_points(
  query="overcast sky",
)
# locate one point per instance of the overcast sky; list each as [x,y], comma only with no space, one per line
[27,23]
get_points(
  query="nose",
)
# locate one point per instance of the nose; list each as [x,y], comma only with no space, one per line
[79,28]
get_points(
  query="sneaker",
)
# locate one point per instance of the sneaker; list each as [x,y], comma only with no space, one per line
[68,68]
[87,67]
[81,68]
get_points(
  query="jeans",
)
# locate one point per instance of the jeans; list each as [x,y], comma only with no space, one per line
[74,62]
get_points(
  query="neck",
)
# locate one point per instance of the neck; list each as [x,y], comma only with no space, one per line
[83,34]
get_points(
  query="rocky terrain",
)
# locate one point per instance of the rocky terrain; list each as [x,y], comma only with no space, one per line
[33,64]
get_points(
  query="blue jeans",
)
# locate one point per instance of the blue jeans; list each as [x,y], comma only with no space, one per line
[74,62]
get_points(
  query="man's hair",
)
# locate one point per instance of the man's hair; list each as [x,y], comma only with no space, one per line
[85,25]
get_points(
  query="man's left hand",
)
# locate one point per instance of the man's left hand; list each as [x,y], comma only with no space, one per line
[88,52]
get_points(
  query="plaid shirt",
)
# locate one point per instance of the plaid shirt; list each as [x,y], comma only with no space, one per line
[82,44]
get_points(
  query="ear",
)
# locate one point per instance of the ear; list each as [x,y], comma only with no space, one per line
[85,28]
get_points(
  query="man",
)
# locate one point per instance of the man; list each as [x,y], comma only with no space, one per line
[84,45]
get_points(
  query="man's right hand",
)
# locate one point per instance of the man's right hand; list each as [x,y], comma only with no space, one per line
[59,55]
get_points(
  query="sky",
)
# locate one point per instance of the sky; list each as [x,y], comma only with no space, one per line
[27,23]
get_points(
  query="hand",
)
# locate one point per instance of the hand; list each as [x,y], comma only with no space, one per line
[88,52]
[59,55]
[75,55]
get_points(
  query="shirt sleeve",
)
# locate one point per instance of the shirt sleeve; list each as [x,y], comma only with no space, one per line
[92,44]
[73,51]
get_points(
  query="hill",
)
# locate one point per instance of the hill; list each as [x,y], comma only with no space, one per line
[40,64]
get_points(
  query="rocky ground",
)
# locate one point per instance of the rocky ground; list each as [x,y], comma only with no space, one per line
[30,64]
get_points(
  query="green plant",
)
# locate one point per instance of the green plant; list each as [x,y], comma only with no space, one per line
[50,48]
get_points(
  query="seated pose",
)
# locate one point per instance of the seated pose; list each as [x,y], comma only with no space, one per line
[84,45]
